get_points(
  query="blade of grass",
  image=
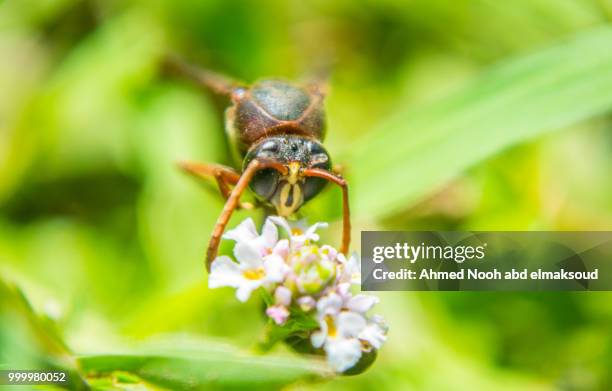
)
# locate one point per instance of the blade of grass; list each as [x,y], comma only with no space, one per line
[31,341]
[418,150]
[188,363]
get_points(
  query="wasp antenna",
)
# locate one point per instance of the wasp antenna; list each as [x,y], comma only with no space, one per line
[346,214]
[175,65]
[318,79]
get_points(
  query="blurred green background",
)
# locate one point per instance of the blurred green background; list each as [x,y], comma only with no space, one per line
[462,115]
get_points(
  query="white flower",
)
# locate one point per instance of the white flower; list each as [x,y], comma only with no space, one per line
[345,332]
[342,299]
[349,270]
[343,354]
[259,260]
[249,241]
[375,332]
[306,277]
[338,337]
[299,233]
[247,275]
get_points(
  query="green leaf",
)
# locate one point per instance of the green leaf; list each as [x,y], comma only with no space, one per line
[419,150]
[188,363]
[31,341]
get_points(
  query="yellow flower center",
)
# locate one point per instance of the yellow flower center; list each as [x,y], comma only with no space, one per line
[254,274]
[296,232]
[331,327]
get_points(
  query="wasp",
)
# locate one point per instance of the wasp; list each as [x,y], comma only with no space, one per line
[276,128]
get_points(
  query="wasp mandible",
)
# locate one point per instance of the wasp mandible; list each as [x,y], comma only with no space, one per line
[277,129]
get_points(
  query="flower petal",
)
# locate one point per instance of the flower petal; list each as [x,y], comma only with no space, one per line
[248,254]
[350,324]
[329,305]
[311,234]
[304,233]
[281,248]
[361,303]
[318,337]
[269,234]
[282,296]
[246,288]
[350,270]
[224,272]
[373,334]
[275,268]
[343,354]
[245,231]
[344,290]
[281,222]
[380,321]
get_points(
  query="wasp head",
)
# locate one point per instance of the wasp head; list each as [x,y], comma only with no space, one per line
[288,190]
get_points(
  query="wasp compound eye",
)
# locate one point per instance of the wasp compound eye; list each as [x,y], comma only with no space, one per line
[267,150]
[319,158]
[265,182]
[316,148]
[312,187]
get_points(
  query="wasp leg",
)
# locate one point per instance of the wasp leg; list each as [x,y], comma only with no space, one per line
[346,216]
[232,203]
[204,78]
[225,176]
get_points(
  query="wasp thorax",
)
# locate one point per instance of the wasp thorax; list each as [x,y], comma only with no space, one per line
[288,191]
[275,107]
[281,100]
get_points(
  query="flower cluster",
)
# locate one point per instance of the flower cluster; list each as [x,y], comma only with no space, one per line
[305,278]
